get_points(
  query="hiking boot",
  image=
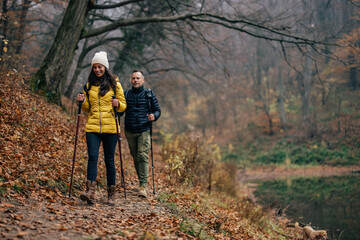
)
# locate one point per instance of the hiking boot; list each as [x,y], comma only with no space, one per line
[111,195]
[89,195]
[142,192]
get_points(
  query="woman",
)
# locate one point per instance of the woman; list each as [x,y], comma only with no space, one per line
[100,126]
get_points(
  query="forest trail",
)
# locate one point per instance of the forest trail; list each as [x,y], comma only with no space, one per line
[36,152]
[74,219]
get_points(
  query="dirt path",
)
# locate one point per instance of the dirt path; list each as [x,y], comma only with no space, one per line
[73,219]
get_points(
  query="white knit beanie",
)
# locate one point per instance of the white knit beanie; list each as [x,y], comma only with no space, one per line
[100,57]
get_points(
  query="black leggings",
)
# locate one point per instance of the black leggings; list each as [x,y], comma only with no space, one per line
[93,141]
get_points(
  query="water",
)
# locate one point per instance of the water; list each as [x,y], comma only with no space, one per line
[331,203]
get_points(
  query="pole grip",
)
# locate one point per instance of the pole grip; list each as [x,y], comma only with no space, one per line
[113,97]
[80,103]
[79,110]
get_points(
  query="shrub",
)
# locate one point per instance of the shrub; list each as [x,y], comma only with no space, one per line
[272,157]
[189,159]
[192,161]
[308,156]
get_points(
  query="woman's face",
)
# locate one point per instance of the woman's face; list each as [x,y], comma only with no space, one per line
[98,69]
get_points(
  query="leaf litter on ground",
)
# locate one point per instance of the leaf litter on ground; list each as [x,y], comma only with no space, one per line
[36,150]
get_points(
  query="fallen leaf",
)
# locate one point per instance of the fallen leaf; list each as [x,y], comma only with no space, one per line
[8,205]
[22,234]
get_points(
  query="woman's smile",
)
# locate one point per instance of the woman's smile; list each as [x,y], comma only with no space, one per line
[99,69]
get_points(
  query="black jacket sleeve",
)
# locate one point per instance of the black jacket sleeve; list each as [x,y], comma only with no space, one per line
[155,108]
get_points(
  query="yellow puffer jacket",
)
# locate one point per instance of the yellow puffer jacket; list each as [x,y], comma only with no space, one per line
[101,113]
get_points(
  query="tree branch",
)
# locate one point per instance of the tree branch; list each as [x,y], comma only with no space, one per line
[356,4]
[95,6]
[133,21]
[229,23]
[273,34]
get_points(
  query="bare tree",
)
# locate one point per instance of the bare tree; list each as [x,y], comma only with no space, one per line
[50,74]
[22,20]
[57,62]
[4,19]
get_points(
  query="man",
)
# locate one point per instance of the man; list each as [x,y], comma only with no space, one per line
[142,109]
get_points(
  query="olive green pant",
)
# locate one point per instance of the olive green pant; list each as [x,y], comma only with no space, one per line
[139,145]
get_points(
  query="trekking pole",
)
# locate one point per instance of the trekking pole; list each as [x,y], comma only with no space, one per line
[76,137]
[148,96]
[152,159]
[119,143]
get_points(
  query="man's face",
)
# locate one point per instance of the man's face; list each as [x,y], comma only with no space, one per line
[137,79]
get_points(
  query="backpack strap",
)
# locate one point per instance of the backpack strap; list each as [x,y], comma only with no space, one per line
[114,89]
[116,81]
[126,93]
[117,113]
[86,90]
[87,94]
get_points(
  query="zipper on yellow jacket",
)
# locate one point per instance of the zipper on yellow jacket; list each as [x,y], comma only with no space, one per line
[99,113]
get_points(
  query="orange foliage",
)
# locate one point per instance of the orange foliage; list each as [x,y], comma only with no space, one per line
[36,147]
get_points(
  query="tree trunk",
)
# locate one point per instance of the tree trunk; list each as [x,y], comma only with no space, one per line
[20,35]
[353,78]
[306,90]
[71,88]
[55,67]
[235,110]
[304,80]
[261,94]
[281,98]
[4,26]
[70,91]
[213,111]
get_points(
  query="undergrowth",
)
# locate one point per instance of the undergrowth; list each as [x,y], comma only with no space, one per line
[214,216]
[196,164]
[294,153]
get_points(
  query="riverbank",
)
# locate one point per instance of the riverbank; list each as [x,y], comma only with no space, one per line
[247,176]
[269,172]
[328,203]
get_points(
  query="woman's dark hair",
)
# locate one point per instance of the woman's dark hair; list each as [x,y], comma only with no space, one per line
[106,81]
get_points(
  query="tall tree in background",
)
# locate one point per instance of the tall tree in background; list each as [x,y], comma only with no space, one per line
[16,26]
[204,51]
[56,64]
[4,20]
[128,46]
[22,22]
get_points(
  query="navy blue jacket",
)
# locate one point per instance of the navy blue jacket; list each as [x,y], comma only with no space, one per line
[138,107]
